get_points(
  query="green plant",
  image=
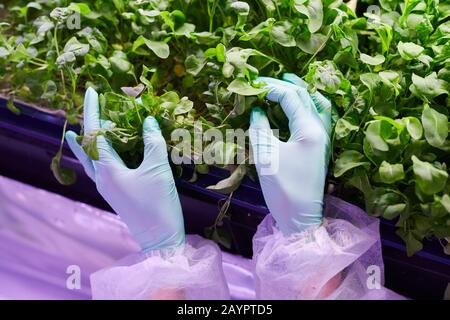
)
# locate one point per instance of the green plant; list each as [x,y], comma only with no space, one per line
[196,61]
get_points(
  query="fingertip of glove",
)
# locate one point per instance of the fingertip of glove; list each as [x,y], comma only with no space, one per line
[257,115]
[106,124]
[263,80]
[70,135]
[289,75]
[151,124]
[90,92]
[294,79]
[257,110]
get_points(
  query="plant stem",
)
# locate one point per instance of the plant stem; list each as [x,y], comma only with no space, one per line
[278,10]
[63,135]
[211,12]
[55,39]
[317,51]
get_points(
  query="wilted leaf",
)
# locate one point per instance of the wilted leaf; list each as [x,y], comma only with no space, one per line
[64,176]
[231,183]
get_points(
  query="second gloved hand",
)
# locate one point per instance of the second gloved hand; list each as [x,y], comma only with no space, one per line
[145,198]
[292,174]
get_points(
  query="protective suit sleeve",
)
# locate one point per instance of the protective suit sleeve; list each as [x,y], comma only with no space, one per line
[341,259]
[192,271]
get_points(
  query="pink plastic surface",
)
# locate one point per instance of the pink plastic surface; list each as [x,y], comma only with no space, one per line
[42,235]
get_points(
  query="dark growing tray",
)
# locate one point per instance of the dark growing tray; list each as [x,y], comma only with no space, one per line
[29,141]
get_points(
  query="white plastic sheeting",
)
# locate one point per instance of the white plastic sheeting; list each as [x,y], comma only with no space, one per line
[45,238]
[44,235]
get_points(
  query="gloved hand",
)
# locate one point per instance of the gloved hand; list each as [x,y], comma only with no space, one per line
[292,174]
[145,198]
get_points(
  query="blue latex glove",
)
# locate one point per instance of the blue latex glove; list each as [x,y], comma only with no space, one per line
[292,174]
[145,198]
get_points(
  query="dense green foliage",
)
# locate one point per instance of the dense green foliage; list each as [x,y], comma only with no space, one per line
[386,70]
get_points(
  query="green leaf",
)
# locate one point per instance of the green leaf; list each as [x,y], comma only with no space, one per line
[194,65]
[390,77]
[242,8]
[345,59]
[183,106]
[60,14]
[376,134]
[412,244]
[34,5]
[168,20]
[81,8]
[231,183]
[143,78]
[119,4]
[312,9]
[119,62]
[50,90]
[348,160]
[149,13]
[185,29]
[242,87]
[95,38]
[386,203]
[65,58]
[312,44]
[259,30]
[75,47]
[325,76]
[428,87]
[343,128]
[445,202]
[170,96]
[160,48]
[390,173]
[435,125]
[220,52]
[430,179]
[360,181]
[281,33]
[373,61]
[393,211]
[370,80]
[384,31]
[409,50]
[414,127]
